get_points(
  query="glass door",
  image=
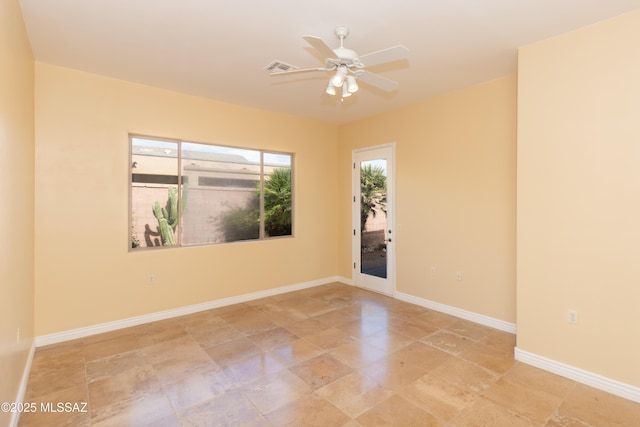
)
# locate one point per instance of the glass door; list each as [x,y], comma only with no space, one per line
[373,239]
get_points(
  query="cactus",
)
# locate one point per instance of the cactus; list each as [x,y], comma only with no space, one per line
[167,217]
[172,208]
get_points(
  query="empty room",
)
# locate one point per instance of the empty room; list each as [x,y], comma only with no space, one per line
[421,213]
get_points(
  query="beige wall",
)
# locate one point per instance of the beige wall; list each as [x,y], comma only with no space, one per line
[17,189]
[82,166]
[579,198]
[455,182]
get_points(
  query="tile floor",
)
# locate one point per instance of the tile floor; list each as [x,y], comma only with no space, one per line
[333,355]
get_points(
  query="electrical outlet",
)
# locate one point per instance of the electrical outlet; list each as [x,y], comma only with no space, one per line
[151,279]
[434,271]
[18,336]
[572,317]
[458,275]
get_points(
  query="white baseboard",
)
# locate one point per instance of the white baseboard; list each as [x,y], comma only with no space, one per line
[167,314]
[580,375]
[15,417]
[458,312]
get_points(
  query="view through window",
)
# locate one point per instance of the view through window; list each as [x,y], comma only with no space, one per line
[187,194]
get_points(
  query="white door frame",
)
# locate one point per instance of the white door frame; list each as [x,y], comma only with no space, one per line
[386,286]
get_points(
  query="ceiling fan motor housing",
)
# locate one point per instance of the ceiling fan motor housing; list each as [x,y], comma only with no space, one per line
[346,56]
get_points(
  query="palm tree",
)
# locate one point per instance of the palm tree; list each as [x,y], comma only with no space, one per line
[373,192]
[277,203]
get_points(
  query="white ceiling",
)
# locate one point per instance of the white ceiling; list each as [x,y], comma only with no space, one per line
[218,49]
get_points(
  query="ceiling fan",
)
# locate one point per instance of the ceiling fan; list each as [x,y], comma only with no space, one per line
[346,65]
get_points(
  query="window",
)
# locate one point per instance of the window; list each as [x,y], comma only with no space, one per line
[188,194]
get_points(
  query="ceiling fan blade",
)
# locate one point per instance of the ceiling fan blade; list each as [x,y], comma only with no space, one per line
[391,54]
[377,81]
[297,70]
[321,46]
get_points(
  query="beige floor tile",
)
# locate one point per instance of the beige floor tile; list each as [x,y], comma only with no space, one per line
[373,302]
[309,411]
[373,305]
[55,419]
[585,405]
[66,351]
[282,316]
[114,365]
[341,301]
[45,405]
[119,343]
[253,324]
[393,373]
[397,411]
[440,398]
[488,357]
[468,329]
[307,327]
[414,328]
[210,335]
[272,338]
[354,393]
[259,421]
[320,371]
[190,390]
[230,352]
[252,368]
[388,341]
[465,374]
[448,341]
[309,307]
[366,326]
[404,309]
[209,317]
[357,309]
[178,357]
[421,355]
[108,336]
[483,413]
[236,312]
[500,340]
[110,395]
[338,317]
[273,391]
[148,411]
[437,319]
[49,377]
[229,409]
[295,352]
[337,294]
[330,338]
[157,332]
[533,403]
[357,354]
[538,379]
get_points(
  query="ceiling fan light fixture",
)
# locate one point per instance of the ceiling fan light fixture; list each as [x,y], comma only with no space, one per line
[331,89]
[339,77]
[352,85]
[345,90]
